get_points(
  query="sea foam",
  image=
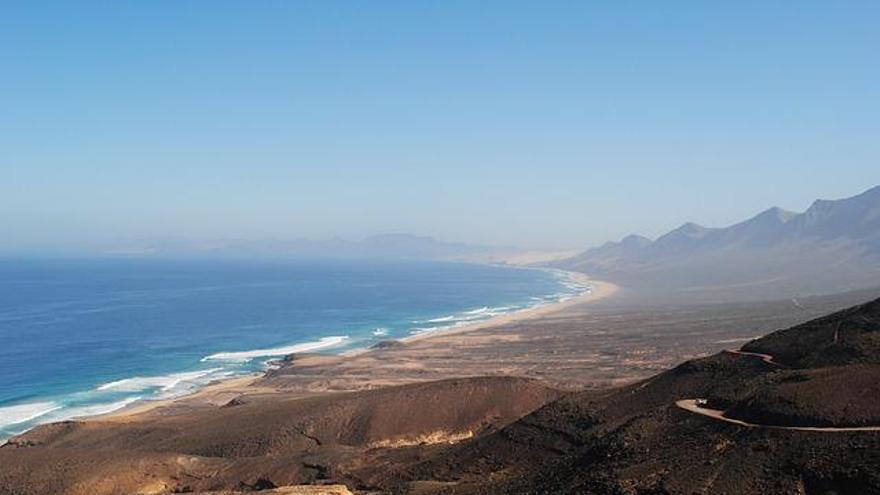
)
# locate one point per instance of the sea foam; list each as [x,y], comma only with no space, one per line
[244,356]
[120,393]
[94,409]
[164,383]
[441,319]
[11,415]
[478,311]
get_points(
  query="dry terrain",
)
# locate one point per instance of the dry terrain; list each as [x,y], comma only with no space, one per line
[552,404]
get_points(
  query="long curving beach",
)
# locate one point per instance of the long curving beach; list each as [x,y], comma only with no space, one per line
[391,362]
[187,325]
[598,290]
[356,419]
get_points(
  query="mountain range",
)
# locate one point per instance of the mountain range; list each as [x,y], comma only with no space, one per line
[832,246]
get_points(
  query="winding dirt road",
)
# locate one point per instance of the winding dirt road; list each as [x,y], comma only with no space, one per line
[691,405]
[767,358]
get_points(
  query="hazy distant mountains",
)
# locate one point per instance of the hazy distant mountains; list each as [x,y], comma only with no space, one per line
[387,246]
[833,246]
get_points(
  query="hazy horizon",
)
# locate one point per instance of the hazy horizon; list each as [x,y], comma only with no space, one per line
[528,125]
[275,246]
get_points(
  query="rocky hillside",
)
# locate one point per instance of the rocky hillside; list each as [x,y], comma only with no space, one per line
[636,440]
[774,417]
[254,444]
[848,337]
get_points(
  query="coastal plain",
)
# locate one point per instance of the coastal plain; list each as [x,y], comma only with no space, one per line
[387,419]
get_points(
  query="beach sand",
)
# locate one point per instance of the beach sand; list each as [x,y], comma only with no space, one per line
[332,418]
[598,290]
[591,342]
[350,371]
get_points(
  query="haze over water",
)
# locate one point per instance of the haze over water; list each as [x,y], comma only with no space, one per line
[87,337]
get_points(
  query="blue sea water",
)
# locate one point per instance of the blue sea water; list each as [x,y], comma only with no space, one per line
[86,337]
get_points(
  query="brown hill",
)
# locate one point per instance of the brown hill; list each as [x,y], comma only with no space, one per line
[510,435]
[634,440]
[262,444]
[846,337]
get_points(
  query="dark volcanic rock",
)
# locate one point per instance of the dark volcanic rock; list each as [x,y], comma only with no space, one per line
[238,401]
[634,440]
[489,436]
[847,337]
[837,396]
[388,344]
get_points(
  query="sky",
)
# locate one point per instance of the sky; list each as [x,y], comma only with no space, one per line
[537,124]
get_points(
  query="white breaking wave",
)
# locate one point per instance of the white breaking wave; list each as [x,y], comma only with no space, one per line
[51,412]
[478,311]
[501,309]
[572,288]
[165,382]
[240,357]
[441,319]
[467,318]
[11,415]
[415,330]
[94,410]
[473,315]
[380,332]
[457,324]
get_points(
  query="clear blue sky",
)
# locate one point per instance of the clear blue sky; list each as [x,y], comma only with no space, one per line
[534,123]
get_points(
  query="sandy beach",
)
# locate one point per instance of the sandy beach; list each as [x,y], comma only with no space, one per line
[263,384]
[414,409]
[598,290]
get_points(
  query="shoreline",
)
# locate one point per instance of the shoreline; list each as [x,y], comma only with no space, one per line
[209,393]
[220,392]
[598,290]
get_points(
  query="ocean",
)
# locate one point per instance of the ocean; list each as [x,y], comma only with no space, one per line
[86,337]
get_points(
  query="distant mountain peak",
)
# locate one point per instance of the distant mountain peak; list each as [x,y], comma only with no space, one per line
[868,196]
[635,240]
[689,229]
[833,245]
[775,214]
[820,204]
[873,191]
[694,228]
